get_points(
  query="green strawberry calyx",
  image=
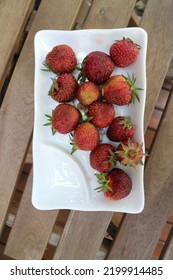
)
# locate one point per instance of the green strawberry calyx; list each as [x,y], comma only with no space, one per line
[104,183]
[72,142]
[54,87]
[49,118]
[126,123]
[112,160]
[131,82]
[131,154]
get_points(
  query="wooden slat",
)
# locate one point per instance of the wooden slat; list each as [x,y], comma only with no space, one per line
[84,223]
[139,234]
[31,230]
[13,17]
[159,53]
[168,254]
[109,14]
[16,113]
[82,235]
[158,173]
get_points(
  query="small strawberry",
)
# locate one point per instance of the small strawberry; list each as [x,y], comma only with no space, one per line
[102,158]
[116,184]
[124,52]
[129,153]
[87,93]
[61,59]
[64,119]
[64,88]
[101,113]
[120,129]
[85,137]
[97,67]
[120,90]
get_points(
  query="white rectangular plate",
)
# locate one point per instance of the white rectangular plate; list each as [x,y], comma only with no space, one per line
[65,181]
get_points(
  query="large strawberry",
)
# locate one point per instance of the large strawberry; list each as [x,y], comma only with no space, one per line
[124,52]
[85,137]
[87,93]
[116,184]
[64,119]
[120,90]
[102,158]
[97,67]
[61,59]
[64,88]
[130,153]
[120,129]
[101,113]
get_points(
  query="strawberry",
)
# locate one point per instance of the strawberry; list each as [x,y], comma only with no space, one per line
[124,52]
[61,59]
[129,153]
[87,93]
[63,89]
[102,158]
[64,119]
[101,113]
[120,90]
[120,129]
[85,137]
[97,67]
[116,184]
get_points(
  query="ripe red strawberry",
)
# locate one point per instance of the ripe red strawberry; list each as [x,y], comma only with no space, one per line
[115,185]
[120,129]
[61,59]
[102,158]
[64,88]
[85,137]
[101,113]
[129,153]
[87,93]
[64,119]
[124,52]
[120,90]
[96,67]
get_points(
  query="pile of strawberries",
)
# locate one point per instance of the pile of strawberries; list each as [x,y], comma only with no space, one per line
[98,93]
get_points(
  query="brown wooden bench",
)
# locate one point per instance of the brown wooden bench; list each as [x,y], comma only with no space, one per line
[35,234]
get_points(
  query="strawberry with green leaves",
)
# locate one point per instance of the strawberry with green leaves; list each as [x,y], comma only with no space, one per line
[87,93]
[101,113]
[64,119]
[115,185]
[120,129]
[64,88]
[120,90]
[130,153]
[61,59]
[97,67]
[102,158]
[85,137]
[124,52]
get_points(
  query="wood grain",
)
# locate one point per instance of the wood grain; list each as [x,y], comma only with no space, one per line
[31,230]
[168,253]
[13,18]
[140,233]
[82,240]
[158,23]
[109,14]
[82,224]
[17,110]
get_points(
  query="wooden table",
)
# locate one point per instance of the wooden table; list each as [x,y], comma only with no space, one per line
[83,232]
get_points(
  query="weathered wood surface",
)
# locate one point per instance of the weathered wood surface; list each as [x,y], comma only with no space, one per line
[13,18]
[84,231]
[139,234]
[17,111]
